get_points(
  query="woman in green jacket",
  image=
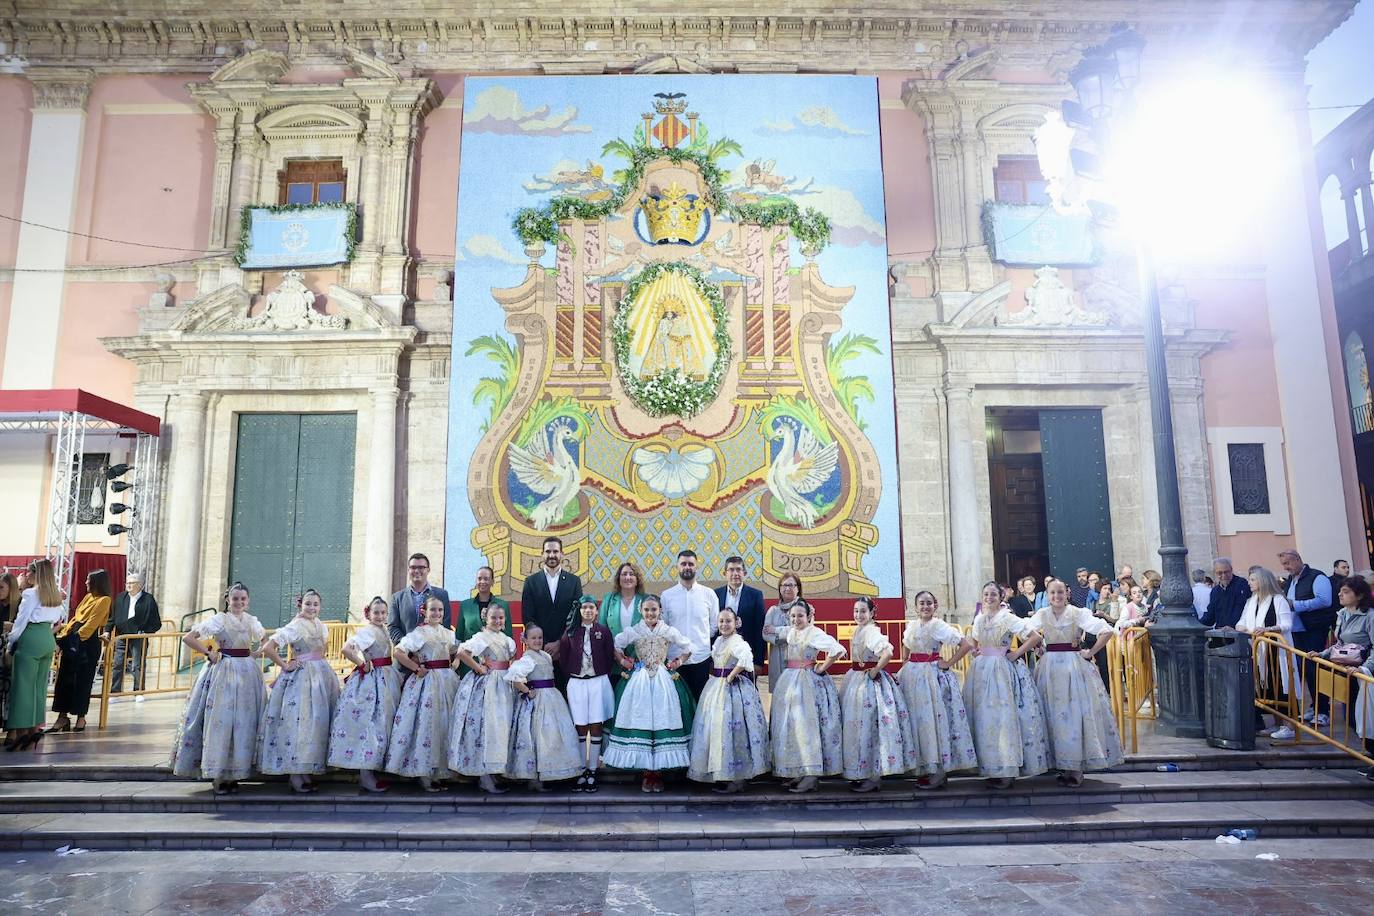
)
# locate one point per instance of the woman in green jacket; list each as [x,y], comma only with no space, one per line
[620,609]
[471,610]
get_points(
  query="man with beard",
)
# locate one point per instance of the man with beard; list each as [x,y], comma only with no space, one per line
[692,610]
[549,599]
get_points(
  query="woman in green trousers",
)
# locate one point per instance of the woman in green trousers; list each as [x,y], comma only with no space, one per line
[32,644]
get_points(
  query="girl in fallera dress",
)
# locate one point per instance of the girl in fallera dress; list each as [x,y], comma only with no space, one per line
[729,731]
[1078,713]
[1002,701]
[878,736]
[479,733]
[543,743]
[652,731]
[367,705]
[218,735]
[588,656]
[294,737]
[944,742]
[806,732]
[419,733]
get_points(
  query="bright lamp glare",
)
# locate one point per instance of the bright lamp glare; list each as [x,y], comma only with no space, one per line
[1193,166]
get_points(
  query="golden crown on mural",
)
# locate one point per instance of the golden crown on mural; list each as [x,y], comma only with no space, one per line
[674,215]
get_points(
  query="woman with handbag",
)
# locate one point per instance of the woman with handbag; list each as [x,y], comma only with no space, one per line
[80,641]
[1354,637]
[1267,611]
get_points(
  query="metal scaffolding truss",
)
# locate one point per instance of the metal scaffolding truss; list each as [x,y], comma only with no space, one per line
[69,416]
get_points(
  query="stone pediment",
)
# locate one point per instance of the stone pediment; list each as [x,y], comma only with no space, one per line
[313,118]
[260,66]
[227,311]
[370,66]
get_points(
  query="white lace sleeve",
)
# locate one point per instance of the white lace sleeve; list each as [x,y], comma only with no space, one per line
[209,629]
[413,641]
[946,633]
[521,669]
[742,654]
[288,634]
[362,640]
[822,641]
[874,642]
[625,637]
[1090,624]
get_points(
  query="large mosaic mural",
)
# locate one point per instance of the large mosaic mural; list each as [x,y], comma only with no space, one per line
[671,330]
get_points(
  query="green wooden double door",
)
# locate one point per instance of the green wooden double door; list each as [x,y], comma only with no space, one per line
[292,525]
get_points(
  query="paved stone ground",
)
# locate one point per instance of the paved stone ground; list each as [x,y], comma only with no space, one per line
[1309,876]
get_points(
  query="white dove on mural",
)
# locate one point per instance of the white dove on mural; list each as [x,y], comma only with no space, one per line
[802,465]
[548,468]
[674,473]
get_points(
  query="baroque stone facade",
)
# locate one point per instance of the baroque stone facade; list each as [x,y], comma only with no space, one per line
[978,81]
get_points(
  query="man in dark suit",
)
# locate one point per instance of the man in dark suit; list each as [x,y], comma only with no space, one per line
[549,599]
[747,603]
[407,605]
[135,611]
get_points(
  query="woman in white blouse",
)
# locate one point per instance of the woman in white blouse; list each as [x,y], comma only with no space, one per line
[878,738]
[362,718]
[219,729]
[1267,611]
[32,644]
[1078,712]
[294,738]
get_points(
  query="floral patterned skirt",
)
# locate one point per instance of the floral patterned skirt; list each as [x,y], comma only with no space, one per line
[1082,730]
[729,733]
[543,740]
[1007,722]
[294,735]
[479,731]
[806,732]
[944,743]
[362,720]
[653,722]
[878,739]
[218,735]
[419,731]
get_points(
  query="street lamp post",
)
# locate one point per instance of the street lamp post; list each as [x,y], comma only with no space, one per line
[1177,638]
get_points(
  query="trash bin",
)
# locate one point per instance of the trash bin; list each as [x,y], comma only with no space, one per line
[1229,689]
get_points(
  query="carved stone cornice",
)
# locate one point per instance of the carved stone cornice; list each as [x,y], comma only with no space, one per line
[200,35]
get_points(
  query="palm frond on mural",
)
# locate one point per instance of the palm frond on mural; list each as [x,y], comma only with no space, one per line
[850,389]
[499,388]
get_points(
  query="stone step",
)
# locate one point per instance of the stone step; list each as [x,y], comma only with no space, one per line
[46,766]
[669,830]
[32,797]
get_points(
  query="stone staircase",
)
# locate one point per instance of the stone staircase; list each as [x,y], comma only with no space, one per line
[113,807]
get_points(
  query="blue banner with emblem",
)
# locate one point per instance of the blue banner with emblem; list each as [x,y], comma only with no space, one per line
[307,235]
[1027,235]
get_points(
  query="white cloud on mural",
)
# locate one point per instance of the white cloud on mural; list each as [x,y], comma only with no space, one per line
[488,246]
[851,223]
[498,110]
[816,121]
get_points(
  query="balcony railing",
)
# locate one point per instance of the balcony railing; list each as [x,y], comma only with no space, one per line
[1363,416]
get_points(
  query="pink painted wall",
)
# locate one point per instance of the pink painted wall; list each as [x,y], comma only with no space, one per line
[909,195]
[433,214]
[1240,386]
[16,97]
[145,177]
[91,311]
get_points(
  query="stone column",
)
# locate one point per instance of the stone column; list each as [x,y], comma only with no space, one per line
[183,514]
[1352,221]
[1363,179]
[220,231]
[965,517]
[381,494]
[50,184]
[374,143]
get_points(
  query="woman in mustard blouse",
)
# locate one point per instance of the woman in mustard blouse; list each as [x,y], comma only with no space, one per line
[79,642]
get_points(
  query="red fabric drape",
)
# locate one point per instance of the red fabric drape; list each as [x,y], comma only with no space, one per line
[83,562]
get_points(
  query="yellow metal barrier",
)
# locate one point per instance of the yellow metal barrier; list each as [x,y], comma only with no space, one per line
[1131,683]
[170,667]
[1282,689]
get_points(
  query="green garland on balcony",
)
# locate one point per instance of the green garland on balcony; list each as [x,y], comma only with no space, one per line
[246,225]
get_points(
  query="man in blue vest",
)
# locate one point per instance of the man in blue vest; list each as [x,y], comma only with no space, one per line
[1309,592]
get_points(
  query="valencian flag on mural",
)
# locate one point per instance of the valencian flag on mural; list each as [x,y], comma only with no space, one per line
[671,330]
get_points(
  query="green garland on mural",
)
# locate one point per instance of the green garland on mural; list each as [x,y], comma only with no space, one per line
[246,225]
[540,224]
[670,392]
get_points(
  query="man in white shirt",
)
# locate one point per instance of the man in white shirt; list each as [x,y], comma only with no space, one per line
[692,609]
[1202,592]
